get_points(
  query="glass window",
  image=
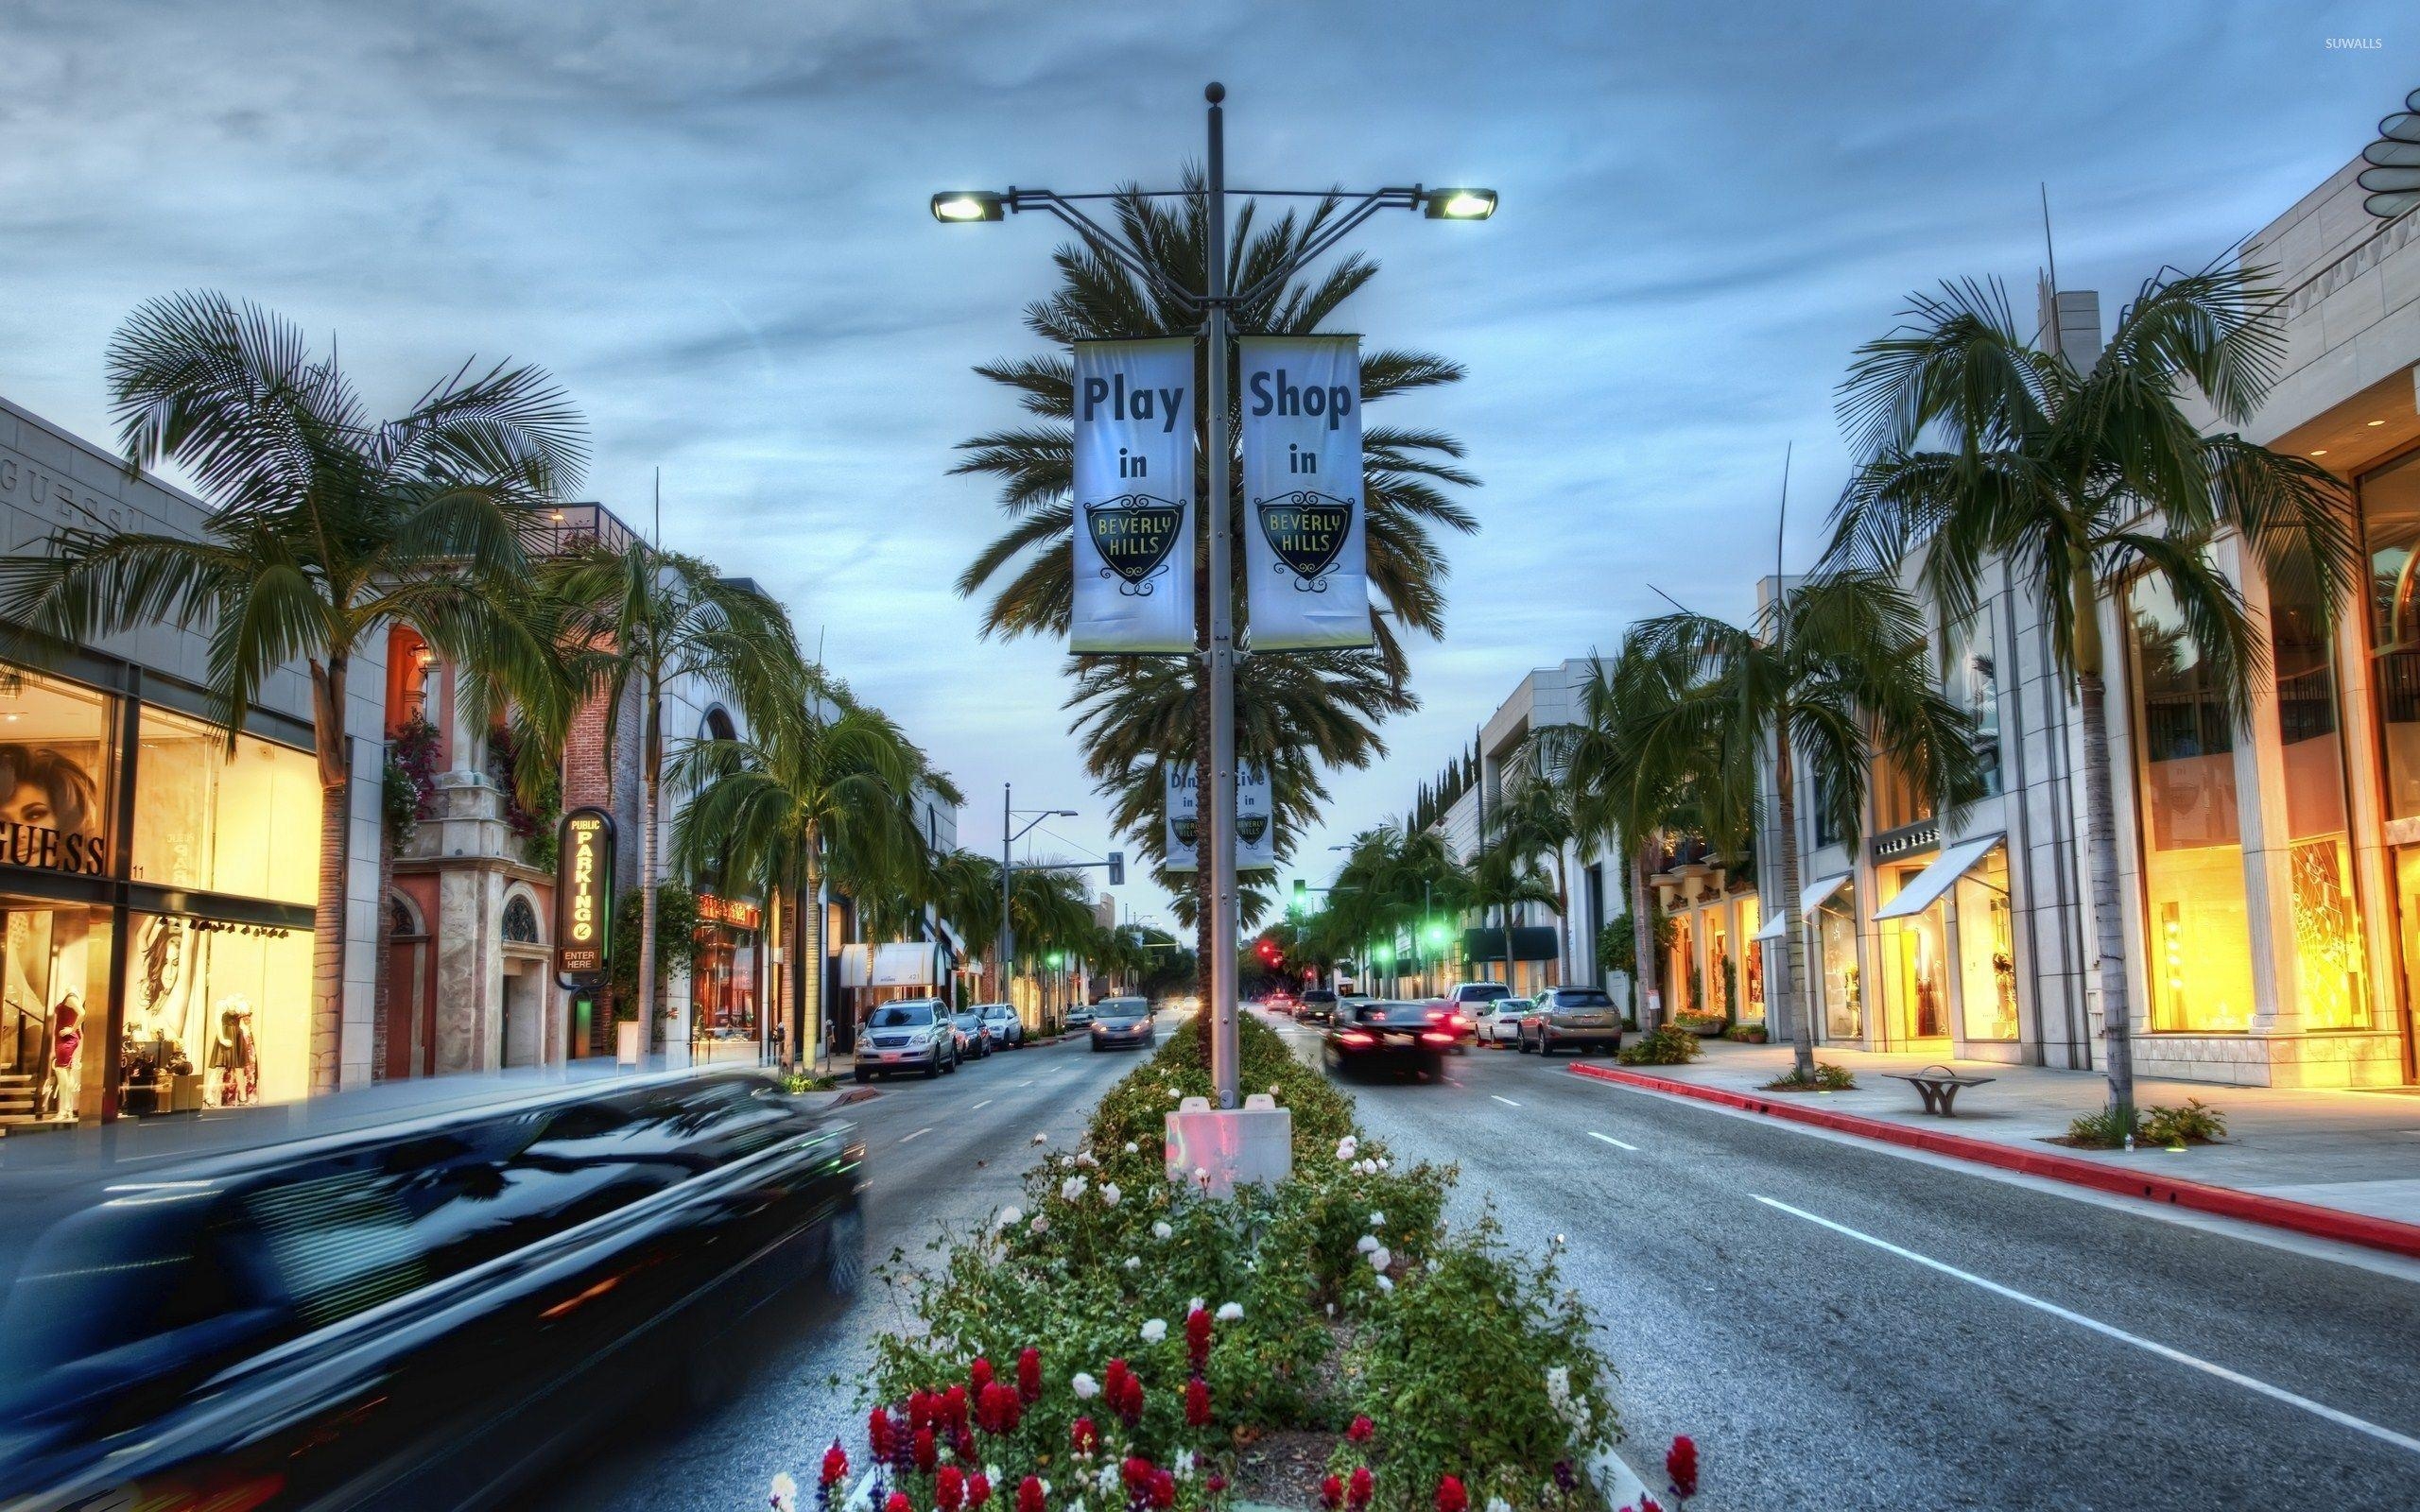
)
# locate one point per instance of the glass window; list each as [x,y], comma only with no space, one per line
[1819,787]
[1836,947]
[1751,962]
[1986,951]
[246,823]
[54,1013]
[2331,962]
[2390,503]
[55,775]
[1897,800]
[233,1001]
[1680,982]
[2200,945]
[1973,686]
[1721,989]
[1915,982]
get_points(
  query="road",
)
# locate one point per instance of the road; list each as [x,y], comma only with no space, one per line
[938,1153]
[1745,1293]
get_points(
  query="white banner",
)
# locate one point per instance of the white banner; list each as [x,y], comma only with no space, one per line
[1304,553]
[1255,817]
[1255,821]
[1180,811]
[1134,497]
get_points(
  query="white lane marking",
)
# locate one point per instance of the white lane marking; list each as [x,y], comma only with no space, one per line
[1506,1101]
[919,1134]
[1028,1082]
[979,1106]
[2388,1435]
[1610,1140]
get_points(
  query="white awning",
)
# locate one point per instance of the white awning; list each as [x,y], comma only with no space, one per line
[1809,900]
[1937,879]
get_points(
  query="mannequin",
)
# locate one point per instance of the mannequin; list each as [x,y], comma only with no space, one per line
[234,1064]
[66,1088]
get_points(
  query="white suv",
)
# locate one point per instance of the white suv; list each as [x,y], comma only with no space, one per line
[913,1034]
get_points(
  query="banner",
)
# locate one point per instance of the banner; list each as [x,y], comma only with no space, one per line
[1134,497]
[1306,564]
[1255,817]
[1255,821]
[1180,811]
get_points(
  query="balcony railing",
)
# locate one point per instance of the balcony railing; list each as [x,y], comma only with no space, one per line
[576,528]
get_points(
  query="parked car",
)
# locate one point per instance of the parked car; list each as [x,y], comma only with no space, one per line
[1008,1030]
[1079,1016]
[1367,1034]
[1123,1023]
[1318,1006]
[974,1037]
[1498,1022]
[406,1312]
[912,1033]
[1462,1004]
[1578,1018]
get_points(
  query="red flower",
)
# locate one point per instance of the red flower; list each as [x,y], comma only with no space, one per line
[1331,1494]
[1357,1490]
[997,1410]
[1087,1438]
[878,1436]
[1197,1403]
[953,1409]
[1197,1338]
[1029,1374]
[898,1502]
[1029,1494]
[1137,1473]
[1112,1381]
[1361,1430]
[836,1464]
[1214,1482]
[1162,1490]
[928,1453]
[1129,1398]
[1681,1463]
[978,1375]
[949,1489]
[963,1444]
[920,1409]
[1450,1495]
[978,1489]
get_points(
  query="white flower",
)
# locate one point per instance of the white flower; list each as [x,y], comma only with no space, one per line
[1378,1164]
[1008,1217]
[1156,1330]
[1160,1229]
[785,1495]
[992,1473]
[1272,1091]
[1184,1463]
[1377,1220]
[1382,1257]
[1365,1244]
[1086,1387]
[1385,1283]
[1107,1479]
[1040,1225]
[1497,1503]
[1131,1147]
[1201,1172]
[1086,1157]
[1133,1263]
[1041,1139]
[1195,1306]
[1347,1147]
[1071,1189]
[1331,1309]
[1109,1192]
[1231,1312]
[1435,1265]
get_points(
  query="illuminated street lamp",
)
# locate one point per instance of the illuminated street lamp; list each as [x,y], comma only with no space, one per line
[1216,301]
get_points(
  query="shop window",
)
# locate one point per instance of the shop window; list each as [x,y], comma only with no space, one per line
[1724,993]
[1915,982]
[1973,686]
[55,775]
[2390,507]
[231,1002]
[1898,801]
[1986,951]
[1827,827]
[53,1014]
[2331,962]
[246,823]
[2200,936]
[1751,962]
[1836,946]
[1684,989]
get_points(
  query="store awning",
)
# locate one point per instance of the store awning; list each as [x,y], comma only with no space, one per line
[1809,900]
[1530,942]
[907,965]
[1937,879]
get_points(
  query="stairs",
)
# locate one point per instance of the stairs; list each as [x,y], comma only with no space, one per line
[17,1094]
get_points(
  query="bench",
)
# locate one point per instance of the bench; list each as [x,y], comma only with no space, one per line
[1939,1086]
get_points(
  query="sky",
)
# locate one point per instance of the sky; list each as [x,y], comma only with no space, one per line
[708,220]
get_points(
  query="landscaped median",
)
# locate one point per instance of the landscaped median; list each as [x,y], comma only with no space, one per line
[2230,1202]
[1122,1341]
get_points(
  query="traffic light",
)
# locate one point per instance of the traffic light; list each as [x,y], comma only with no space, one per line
[1057,958]
[1382,956]
[1302,897]
[1117,868]
[1436,934]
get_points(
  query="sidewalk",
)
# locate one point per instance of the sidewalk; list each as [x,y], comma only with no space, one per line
[2354,1151]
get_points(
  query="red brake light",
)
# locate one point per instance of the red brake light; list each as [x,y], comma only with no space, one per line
[1432,1036]
[1436,1015]
[1460,1022]
[1357,1039]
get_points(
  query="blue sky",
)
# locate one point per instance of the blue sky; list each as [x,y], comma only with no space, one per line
[709,220]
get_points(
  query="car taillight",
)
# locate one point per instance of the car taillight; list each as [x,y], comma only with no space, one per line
[1436,1015]
[1432,1036]
[1457,1020]
[1357,1039]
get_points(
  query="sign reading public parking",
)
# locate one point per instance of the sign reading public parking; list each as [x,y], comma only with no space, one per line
[584,898]
[1255,817]
[1134,497]
[1305,558]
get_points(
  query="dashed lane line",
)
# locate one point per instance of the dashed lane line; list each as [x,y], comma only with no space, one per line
[1621,1145]
[919,1134]
[1506,1101]
[979,1106]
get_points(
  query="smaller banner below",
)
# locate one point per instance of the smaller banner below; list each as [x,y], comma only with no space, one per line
[1181,806]
[1134,497]
[1307,578]
[1255,821]
[1255,817]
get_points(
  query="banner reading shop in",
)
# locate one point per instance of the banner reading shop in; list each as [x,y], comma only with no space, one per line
[1134,497]
[1304,559]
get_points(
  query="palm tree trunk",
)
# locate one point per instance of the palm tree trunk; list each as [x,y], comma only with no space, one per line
[327,914]
[1642,934]
[1794,997]
[1562,913]
[2108,927]
[810,913]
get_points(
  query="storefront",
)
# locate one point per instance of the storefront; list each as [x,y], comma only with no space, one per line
[724,982]
[156,888]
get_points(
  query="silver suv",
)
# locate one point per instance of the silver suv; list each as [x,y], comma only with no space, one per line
[913,1034]
[1578,1018]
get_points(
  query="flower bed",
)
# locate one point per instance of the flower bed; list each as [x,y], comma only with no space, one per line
[1120,1341]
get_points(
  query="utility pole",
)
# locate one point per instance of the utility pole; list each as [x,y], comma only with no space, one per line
[1218,802]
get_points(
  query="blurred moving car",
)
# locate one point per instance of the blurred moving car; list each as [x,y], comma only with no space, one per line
[415,1313]
[1499,1022]
[974,1037]
[1371,1035]
[1278,1000]
[1462,1004]
[1008,1030]
[1318,1006]
[912,1033]
[1123,1023]
[1578,1018]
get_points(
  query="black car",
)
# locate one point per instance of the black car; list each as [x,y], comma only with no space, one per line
[415,1312]
[1375,1036]
[974,1035]
[1123,1023]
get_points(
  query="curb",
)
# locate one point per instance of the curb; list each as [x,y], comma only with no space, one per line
[2226,1202]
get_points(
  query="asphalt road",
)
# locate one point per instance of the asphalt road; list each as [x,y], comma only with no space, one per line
[1816,1368]
[938,1153]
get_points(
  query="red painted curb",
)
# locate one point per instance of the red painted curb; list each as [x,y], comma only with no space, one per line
[2229,1202]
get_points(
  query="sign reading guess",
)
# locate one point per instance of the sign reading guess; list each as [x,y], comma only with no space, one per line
[1134,497]
[584,898]
[1305,575]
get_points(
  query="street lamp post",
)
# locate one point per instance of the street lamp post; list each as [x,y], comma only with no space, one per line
[1010,835]
[1217,303]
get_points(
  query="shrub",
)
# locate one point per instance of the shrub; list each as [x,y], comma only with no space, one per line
[408,789]
[1699,1022]
[1750,1033]
[2101,1129]
[1826,1078]
[2196,1123]
[1668,1045]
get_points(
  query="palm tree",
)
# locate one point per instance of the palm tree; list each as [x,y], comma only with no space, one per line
[1540,815]
[325,527]
[818,789]
[638,619]
[1838,672]
[1980,445]
[1505,875]
[1027,568]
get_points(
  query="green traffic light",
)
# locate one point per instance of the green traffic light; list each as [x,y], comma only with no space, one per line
[1383,954]
[1436,934]
[1058,959]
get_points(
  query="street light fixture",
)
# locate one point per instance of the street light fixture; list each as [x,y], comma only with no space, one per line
[1010,837]
[1217,301]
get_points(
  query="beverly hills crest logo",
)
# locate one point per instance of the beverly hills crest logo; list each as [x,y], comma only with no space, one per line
[1135,533]
[1307,531]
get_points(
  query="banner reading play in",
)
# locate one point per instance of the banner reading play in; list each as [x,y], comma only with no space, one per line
[1134,497]
[1306,566]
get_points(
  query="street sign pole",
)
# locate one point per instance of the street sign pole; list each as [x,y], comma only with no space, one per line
[1219,791]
